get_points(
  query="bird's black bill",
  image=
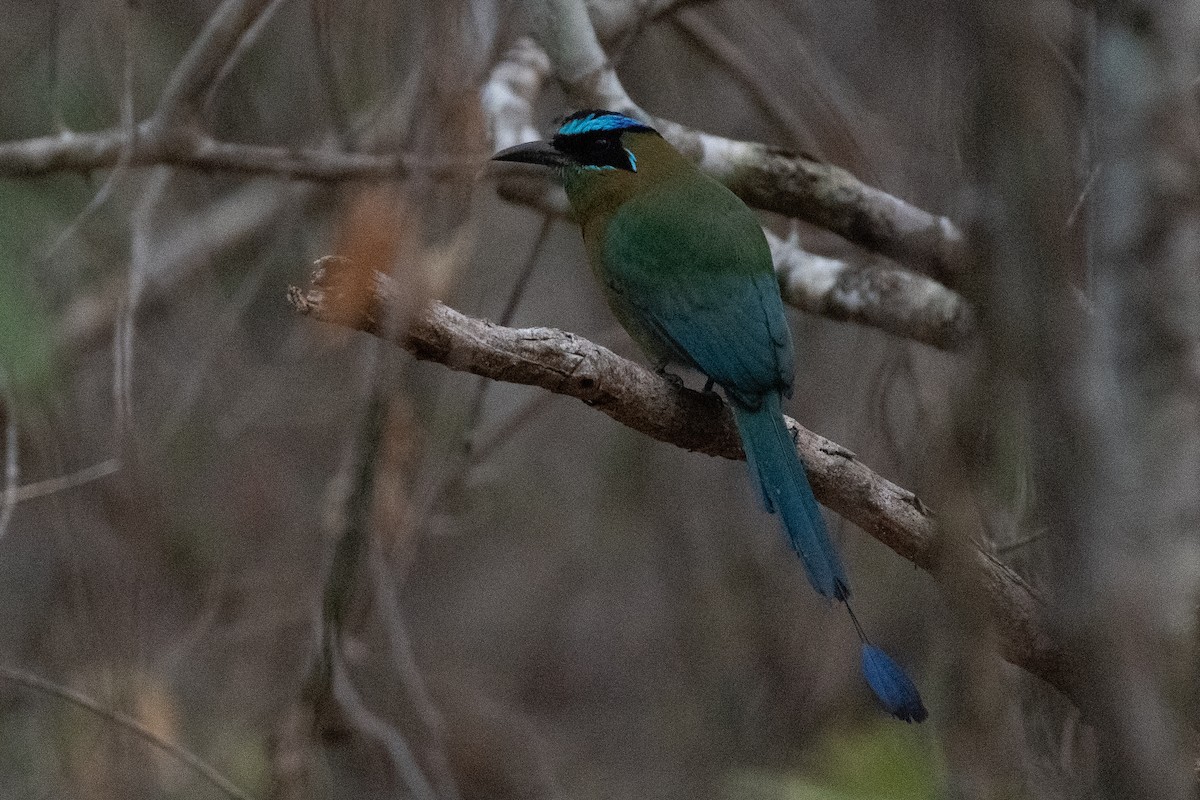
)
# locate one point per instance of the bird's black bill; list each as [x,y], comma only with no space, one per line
[541,153]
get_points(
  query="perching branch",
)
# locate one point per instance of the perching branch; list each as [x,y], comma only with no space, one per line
[765,177]
[568,364]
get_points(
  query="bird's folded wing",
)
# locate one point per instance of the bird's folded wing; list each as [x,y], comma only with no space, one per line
[710,299]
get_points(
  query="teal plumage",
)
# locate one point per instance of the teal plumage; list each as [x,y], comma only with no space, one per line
[686,269]
[710,301]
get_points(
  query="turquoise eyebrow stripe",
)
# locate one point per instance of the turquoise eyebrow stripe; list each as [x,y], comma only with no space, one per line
[591,123]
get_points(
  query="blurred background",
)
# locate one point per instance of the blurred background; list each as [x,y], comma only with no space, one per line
[328,570]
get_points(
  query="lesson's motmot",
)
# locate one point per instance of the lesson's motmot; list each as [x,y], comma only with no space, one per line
[686,269]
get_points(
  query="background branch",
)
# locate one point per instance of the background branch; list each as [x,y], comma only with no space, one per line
[854,290]
[198,69]
[765,177]
[568,364]
[126,722]
[85,152]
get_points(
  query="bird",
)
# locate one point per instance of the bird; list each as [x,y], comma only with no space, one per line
[685,267]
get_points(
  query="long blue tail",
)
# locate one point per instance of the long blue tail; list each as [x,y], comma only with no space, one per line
[771,454]
[773,461]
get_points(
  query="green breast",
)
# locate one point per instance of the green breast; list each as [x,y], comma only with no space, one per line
[687,271]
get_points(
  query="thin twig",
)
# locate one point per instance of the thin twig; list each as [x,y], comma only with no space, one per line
[12,464]
[716,44]
[202,63]
[511,426]
[321,16]
[1033,538]
[61,483]
[522,282]
[475,407]
[411,681]
[76,698]
[368,723]
[239,51]
[129,127]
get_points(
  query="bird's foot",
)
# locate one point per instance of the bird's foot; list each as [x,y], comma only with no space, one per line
[660,369]
[708,387]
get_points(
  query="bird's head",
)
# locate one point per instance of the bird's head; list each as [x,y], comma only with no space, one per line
[604,159]
[592,141]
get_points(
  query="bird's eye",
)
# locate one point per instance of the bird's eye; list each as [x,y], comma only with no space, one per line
[604,142]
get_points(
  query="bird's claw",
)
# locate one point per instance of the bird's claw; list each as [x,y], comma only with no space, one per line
[660,370]
[672,379]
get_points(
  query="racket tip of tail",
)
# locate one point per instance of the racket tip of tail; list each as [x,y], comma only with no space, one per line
[892,686]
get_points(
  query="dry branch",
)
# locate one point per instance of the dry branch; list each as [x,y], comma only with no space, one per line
[765,177]
[853,290]
[568,364]
[85,152]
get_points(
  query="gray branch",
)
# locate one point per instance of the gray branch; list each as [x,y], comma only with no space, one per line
[85,152]
[568,364]
[765,177]
[892,300]
[170,136]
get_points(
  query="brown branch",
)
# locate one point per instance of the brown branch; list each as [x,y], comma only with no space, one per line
[568,364]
